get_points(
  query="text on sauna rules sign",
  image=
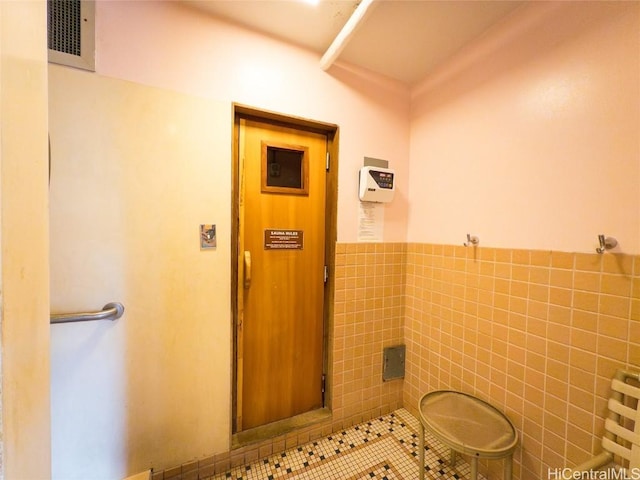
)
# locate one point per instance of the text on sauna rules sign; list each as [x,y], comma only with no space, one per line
[283,239]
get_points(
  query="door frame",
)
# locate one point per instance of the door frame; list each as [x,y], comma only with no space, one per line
[332,132]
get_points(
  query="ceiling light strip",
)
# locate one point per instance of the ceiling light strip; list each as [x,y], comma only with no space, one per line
[341,40]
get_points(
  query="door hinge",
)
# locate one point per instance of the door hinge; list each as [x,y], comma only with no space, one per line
[324,387]
[328,160]
[326,274]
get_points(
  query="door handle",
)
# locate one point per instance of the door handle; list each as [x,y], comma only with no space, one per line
[247,269]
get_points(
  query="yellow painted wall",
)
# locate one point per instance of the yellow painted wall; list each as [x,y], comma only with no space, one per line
[141,153]
[135,173]
[24,241]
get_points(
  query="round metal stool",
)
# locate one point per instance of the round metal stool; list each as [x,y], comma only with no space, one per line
[469,426]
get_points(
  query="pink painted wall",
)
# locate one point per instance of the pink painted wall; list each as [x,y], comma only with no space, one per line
[167,45]
[530,137]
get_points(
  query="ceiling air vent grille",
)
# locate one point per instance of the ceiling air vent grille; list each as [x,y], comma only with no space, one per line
[71,33]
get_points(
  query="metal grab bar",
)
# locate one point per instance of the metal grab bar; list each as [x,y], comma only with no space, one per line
[111,311]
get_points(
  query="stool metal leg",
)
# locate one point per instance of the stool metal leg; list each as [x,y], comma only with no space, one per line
[474,468]
[508,467]
[421,451]
[453,458]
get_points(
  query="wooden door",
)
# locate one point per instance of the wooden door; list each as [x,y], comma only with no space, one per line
[281,272]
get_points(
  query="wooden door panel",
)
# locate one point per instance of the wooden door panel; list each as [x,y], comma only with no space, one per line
[281,316]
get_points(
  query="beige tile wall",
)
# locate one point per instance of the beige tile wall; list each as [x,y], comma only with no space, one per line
[368,316]
[538,334]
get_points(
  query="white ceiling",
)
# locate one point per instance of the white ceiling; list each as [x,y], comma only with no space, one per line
[402,39]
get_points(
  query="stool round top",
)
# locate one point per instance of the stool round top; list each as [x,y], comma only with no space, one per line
[467,424]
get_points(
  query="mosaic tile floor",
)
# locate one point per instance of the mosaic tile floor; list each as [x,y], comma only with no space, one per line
[384,448]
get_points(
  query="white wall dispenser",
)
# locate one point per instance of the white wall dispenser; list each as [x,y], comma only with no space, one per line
[377,181]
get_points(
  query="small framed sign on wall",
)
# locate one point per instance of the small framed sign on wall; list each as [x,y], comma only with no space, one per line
[208,236]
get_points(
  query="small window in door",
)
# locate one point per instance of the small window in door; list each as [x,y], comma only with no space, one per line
[285,169]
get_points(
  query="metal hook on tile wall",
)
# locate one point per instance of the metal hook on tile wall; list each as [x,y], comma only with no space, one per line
[471,240]
[606,243]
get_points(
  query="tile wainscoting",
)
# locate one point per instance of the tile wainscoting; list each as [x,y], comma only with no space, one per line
[368,316]
[536,333]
